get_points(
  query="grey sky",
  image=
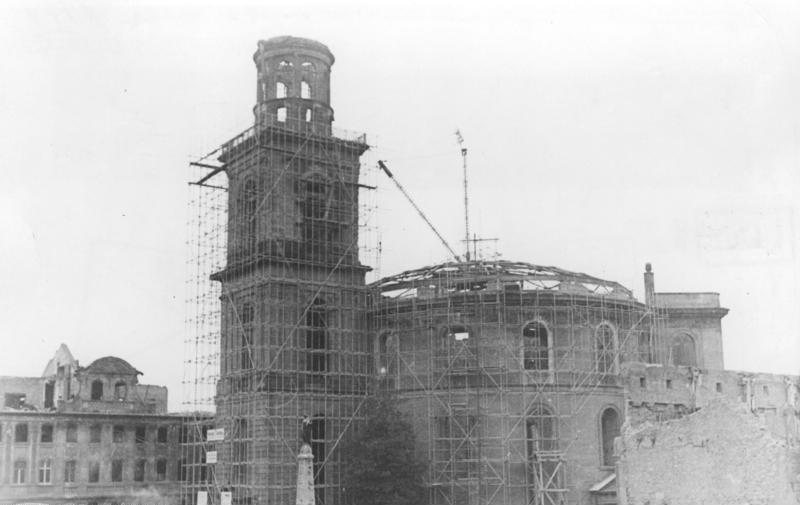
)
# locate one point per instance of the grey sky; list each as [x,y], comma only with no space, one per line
[601,136]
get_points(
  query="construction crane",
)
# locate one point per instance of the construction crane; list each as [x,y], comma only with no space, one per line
[466,198]
[386,170]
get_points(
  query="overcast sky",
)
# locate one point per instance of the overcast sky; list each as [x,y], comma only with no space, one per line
[602,135]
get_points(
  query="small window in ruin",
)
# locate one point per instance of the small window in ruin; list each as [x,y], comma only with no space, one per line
[766,390]
[281,90]
[97,390]
[285,64]
[116,470]
[49,392]
[72,432]
[307,65]
[305,90]
[536,346]
[161,469]
[642,382]
[118,433]
[139,470]
[21,433]
[14,400]
[94,471]
[669,383]
[281,114]
[47,434]
[140,434]
[161,435]
[95,433]
[120,391]
[719,387]
[308,115]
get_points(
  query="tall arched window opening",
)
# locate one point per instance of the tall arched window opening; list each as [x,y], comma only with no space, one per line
[248,218]
[609,430]
[385,353]
[281,90]
[241,452]
[316,339]
[97,390]
[605,349]
[305,90]
[683,351]
[247,317]
[545,465]
[536,346]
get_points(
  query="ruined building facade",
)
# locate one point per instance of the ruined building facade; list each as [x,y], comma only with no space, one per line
[517,377]
[88,435]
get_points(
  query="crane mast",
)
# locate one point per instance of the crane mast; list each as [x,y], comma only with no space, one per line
[466,194]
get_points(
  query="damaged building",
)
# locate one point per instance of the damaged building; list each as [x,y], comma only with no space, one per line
[518,378]
[88,435]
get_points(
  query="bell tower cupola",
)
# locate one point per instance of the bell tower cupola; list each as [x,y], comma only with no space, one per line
[294,84]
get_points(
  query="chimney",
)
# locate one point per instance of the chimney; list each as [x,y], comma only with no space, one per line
[649,285]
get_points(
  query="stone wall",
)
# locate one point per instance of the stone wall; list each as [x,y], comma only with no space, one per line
[721,454]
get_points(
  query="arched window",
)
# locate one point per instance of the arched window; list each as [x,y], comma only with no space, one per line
[120,390]
[316,338]
[609,430]
[308,115]
[305,89]
[307,65]
[605,349]
[285,64]
[281,114]
[683,350]
[457,348]
[318,450]
[544,466]
[281,90]
[247,317]
[386,354]
[536,346]
[97,390]
[248,217]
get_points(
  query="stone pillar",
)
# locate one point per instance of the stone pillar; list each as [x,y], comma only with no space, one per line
[649,286]
[305,476]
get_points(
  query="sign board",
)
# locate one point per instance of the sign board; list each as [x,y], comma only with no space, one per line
[225,498]
[211,457]
[202,498]
[216,435]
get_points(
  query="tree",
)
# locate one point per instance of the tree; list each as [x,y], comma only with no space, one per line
[382,465]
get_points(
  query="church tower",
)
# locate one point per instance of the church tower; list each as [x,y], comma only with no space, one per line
[294,337]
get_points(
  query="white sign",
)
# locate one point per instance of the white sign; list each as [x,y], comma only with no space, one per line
[202,498]
[225,498]
[216,435]
[211,457]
